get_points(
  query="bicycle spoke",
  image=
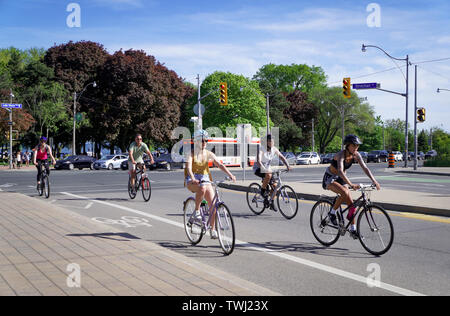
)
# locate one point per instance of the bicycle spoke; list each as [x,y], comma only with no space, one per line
[323,230]
[225,229]
[255,200]
[287,202]
[376,230]
[193,227]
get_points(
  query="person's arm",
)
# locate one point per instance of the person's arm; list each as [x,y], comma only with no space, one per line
[152,161]
[283,159]
[35,155]
[51,154]
[367,170]
[189,169]
[341,173]
[131,156]
[221,166]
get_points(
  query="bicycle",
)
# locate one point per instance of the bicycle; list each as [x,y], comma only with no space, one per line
[284,195]
[44,185]
[140,181]
[374,226]
[196,227]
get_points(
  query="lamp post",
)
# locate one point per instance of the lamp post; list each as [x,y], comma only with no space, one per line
[439,90]
[11,96]
[94,84]
[364,49]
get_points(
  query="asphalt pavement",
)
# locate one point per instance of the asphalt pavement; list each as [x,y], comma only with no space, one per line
[272,252]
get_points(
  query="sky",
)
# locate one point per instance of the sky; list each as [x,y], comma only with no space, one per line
[240,36]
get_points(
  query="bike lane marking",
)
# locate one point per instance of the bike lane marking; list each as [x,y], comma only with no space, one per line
[305,262]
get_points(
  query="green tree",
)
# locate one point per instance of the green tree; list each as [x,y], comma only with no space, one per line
[245,106]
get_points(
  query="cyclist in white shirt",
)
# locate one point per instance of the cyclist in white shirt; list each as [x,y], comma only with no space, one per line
[262,167]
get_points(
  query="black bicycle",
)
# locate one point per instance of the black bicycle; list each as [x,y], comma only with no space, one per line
[141,181]
[374,226]
[285,196]
[44,185]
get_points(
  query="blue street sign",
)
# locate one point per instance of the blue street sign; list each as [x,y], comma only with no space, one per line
[11,106]
[371,85]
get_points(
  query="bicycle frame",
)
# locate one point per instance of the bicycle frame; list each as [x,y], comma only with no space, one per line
[212,211]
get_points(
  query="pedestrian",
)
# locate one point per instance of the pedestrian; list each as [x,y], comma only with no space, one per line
[26,159]
[19,159]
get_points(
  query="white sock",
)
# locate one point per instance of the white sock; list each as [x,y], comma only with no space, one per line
[353,227]
[333,212]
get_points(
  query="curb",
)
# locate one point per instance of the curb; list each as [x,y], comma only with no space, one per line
[387,206]
[424,172]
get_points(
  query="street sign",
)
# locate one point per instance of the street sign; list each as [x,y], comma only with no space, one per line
[370,85]
[11,106]
[10,123]
[202,107]
[79,117]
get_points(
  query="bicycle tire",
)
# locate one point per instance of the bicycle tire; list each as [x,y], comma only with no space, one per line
[324,233]
[254,198]
[46,186]
[40,187]
[286,197]
[146,189]
[372,220]
[194,229]
[131,193]
[225,229]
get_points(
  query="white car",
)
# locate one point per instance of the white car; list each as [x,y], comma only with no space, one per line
[308,159]
[110,162]
[398,156]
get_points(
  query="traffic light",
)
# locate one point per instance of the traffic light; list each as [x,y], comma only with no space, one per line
[421,115]
[223,93]
[346,88]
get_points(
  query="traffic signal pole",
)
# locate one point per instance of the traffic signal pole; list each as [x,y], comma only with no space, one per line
[10,133]
[415,119]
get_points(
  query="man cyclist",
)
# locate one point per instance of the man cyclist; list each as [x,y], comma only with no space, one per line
[198,177]
[262,167]
[40,157]
[136,153]
[335,178]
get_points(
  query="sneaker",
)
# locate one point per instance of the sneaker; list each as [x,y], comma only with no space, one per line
[213,234]
[354,234]
[272,206]
[333,219]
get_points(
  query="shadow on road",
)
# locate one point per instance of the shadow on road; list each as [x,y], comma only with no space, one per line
[111,236]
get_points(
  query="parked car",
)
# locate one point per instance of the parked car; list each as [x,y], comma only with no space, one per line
[110,162]
[398,156]
[308,159]
[165,162]
[328,157]
[431,154]
[290,157]
[420,155]
[72,162]
[378,156]
[409,156]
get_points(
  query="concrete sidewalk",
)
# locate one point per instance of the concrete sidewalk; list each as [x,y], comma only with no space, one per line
[393,200]
[42,246]
[438,171]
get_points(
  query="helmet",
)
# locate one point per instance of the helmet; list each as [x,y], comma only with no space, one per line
[43,138]
[201,135]
[352,139]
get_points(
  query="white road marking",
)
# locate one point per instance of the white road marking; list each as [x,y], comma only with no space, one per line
[309,263]
[88,206]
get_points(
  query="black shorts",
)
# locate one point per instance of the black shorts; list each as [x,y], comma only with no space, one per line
[329,178]
[258,173]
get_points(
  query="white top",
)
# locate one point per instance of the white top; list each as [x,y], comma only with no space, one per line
[265,159]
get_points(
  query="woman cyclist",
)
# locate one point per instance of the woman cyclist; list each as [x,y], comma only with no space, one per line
[41,153]
[198,177]
[335,178]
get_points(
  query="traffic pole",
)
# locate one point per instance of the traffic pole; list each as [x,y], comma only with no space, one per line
[415,120]
[10,132]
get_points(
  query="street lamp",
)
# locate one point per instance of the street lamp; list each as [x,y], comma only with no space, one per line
[94,84]
[364,49]
[439,90]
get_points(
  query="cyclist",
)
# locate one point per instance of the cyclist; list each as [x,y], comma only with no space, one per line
[136,153]
[41,153]
[198,177]
[262,167]
[335,178]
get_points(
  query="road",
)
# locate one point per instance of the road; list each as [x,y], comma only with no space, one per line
[278,254]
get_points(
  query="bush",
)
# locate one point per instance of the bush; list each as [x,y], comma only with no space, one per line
[441,160]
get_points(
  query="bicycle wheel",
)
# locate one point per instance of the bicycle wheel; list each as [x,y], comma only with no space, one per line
[376,232]
[287,202]
[46,186]
[132,192]
[225,229]
[146,189]
[193,227]
[40,187]
[255,200]
[323,230]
